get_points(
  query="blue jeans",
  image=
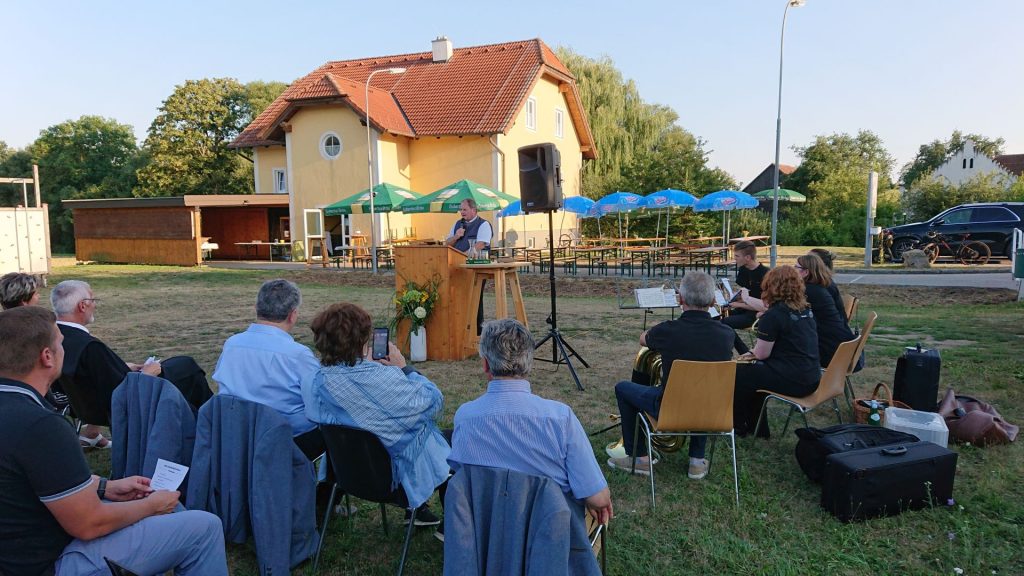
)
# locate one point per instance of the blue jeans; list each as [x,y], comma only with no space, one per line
[634,398]
[188,542]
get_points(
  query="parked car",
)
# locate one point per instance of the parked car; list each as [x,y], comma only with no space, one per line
[991,222]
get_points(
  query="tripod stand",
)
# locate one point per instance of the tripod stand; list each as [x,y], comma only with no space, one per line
[561,351]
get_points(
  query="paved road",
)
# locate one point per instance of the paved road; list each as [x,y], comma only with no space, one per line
[992,280]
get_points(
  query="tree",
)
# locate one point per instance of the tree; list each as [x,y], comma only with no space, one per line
[931,196]
[92,157]
[833,174]
[188,141]
[14,163]
[261,94]
[931,156]
[622,123]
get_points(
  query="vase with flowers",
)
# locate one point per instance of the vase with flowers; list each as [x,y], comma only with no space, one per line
[415,302]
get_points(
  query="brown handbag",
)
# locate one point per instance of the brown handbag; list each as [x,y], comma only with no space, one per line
[974,421]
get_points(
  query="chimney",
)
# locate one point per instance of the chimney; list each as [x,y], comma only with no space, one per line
[442,48]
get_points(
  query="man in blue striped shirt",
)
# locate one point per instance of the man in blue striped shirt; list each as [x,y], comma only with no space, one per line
[510,427]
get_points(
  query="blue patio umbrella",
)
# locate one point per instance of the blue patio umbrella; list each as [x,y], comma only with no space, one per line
[725,201]
[617,203]
[668,200]
[577,204]
[513,209]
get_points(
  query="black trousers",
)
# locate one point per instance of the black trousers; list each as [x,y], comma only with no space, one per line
[748,402]
[740,319]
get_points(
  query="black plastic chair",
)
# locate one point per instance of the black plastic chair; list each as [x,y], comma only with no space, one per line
[362,468]
[118,570]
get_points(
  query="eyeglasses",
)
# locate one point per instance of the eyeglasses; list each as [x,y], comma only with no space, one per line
[799,267]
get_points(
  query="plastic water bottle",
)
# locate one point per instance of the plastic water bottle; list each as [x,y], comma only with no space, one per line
[875,416]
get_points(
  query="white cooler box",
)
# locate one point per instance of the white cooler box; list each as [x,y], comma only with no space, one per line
[928,426]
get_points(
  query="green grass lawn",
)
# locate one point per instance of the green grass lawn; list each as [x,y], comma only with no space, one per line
[778,527]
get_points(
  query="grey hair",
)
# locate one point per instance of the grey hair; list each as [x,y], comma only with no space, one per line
[66,296]
[277,299]
[470,202]
[508,347]
[697,290]
[16,288]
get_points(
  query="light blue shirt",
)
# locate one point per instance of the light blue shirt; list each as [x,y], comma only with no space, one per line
[510,427]
[398,408]
[265,364]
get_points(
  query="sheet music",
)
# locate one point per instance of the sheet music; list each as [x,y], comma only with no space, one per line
[720,299]
[168,475]
[728,288]
[714,312]
[656,298]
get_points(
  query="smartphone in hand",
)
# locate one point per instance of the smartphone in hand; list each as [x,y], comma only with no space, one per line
[380,343]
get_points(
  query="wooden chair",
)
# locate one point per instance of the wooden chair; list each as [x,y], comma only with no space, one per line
[850,304]
[864,333]
[697,402]
[595,533]
[830,387]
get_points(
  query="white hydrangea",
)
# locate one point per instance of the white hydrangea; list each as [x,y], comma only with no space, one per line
[420,312]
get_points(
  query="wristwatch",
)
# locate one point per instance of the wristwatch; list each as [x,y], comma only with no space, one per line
[102,490]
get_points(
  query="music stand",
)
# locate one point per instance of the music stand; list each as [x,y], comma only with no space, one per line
[561,351]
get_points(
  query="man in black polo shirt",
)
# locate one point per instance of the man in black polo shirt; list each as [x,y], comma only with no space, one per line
[692,336]
[749,273]
[55,516]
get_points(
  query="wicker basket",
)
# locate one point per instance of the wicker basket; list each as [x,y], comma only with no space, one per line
[861,411]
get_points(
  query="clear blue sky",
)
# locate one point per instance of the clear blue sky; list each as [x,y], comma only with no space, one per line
[909,70]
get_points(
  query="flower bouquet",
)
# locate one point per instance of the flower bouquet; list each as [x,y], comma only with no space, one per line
[416,302]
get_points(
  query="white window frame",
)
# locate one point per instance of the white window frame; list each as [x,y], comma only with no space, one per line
[280,180]
[559,123]
[531,113]
[323,145]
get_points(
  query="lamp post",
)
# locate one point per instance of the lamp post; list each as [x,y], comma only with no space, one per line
[778,132]
[369,165]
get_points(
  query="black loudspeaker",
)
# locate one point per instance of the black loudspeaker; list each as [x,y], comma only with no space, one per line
[540,178]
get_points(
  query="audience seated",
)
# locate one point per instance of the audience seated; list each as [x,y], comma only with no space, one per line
[55,516]
[785,354]
[510,427]
[833,290]
[96,367]
[829,313]
[18,289]
[692,336]
[265,364]
[386,397]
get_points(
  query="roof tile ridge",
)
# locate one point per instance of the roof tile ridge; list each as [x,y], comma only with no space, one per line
[500,92]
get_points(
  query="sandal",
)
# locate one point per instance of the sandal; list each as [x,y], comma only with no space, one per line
[100,442]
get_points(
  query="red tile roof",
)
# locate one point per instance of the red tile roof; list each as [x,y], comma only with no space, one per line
[480,90]
[1013,163]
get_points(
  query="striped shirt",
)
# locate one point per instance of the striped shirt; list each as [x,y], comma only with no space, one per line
[510,427]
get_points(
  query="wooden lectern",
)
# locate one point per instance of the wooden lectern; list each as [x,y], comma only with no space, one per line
[446,327]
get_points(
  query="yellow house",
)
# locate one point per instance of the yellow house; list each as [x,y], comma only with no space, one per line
[434,118]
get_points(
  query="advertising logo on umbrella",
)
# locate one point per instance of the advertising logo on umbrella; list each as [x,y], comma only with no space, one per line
[728,201]
[660,201]
[447,194]
[405,194]
[487,192]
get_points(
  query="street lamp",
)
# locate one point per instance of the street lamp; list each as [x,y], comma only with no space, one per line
[369,165]
[778,131]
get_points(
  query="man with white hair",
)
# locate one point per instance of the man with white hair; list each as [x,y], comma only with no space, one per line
[510,427]
[265,364]
[95,367]
[692,336]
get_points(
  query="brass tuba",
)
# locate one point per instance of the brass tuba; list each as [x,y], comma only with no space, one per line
[647,370]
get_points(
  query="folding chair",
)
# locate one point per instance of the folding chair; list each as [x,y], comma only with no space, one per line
[865,332]
[830,387]
[362,468]
[697,402]
[850,304]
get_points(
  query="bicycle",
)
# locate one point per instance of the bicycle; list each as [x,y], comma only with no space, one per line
[969,252]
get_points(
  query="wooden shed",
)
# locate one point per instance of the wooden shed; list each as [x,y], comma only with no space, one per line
[172,230]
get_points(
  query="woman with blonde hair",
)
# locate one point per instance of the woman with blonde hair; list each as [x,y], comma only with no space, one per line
[785,356]
[828,312]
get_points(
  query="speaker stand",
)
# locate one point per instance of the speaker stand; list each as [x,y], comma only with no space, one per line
[561,351]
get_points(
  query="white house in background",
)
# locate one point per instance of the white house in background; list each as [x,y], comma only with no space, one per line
[970,163]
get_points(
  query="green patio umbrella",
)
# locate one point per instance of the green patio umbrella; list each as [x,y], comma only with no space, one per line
[389,199]
[447,199]
[785,195]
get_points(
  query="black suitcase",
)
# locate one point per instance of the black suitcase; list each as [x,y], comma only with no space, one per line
[814,445]
[886,480]
[917,379]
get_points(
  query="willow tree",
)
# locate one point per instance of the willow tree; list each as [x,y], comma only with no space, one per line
[622,123]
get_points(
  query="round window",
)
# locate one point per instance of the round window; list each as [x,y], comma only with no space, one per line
[330,146]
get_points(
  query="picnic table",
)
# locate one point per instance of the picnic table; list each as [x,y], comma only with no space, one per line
[255,246]
[706,256]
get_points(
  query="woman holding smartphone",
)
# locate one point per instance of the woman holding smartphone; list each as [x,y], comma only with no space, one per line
[383,396]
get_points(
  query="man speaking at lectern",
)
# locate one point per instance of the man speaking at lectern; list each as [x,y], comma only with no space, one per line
[471,231]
